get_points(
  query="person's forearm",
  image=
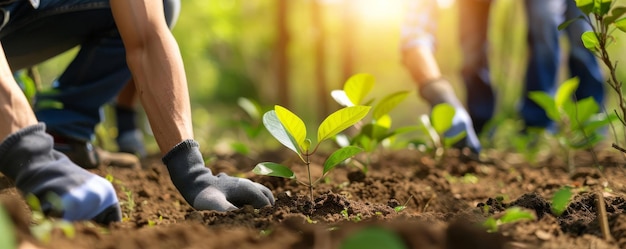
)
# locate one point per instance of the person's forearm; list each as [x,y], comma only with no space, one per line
[421,64]
[15,112]
[158,74]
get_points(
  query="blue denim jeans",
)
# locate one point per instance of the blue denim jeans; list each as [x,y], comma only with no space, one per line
[544,16]
[94,77]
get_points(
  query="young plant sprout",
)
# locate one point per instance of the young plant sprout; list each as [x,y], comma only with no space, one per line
[579,123]
[605,18]
[369,135]
[437,124]
[290,131]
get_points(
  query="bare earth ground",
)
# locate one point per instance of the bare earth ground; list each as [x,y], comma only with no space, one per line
[443,208]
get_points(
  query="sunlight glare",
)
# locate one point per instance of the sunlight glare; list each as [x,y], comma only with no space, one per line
[379,10]
[444,4]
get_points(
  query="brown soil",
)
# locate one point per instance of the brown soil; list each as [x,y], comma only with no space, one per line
[445,206]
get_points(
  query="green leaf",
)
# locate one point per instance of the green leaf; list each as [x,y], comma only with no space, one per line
[273,169]
[565,92]
[586,6]
[515,214]
[546,102]
[388,103]
[441,117]
[252,108]
[294,125]
[340,120]
[375,131]
[273,125]
[7,230]
[341,98]
[491,224]
[27,84]
[339,156]
[590,40]
[560,200]
[448,142]
[384,121]
[565,24]
[49,104]
[585,109]
[621,24]
[373,238]
[616,13]
[602,7]
[358,86]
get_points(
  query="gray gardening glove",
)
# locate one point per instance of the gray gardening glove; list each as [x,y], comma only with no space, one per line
[204,191]
[27,157]
[440,91]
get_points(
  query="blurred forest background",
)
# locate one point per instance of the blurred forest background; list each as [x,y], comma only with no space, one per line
[294,52]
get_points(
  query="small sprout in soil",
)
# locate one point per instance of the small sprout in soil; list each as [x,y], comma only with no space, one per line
[265,232]
[400,208]
[580,124]
[561,200]
[511,215]
[436,125]
[128,206]
[344,213]
[152,223]
[7,230]
[377,132]
[310,221]
[290,131]
[468,178]
[604,18]
[373,237]
[42,226]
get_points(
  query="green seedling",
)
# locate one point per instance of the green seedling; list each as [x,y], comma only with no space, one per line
[436,125]
[7,230]
[402,207]
[579,123]
[373,237]
[604,18]
[290,131]
[252,124]
[561,200]
[42,226]
[128,206]
[511,215]
[377,131]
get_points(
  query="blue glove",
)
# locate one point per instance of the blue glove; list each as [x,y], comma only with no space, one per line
[440,91]
[204,191]
[27,157]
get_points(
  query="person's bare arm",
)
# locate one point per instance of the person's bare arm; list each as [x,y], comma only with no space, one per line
[157,68]
[421,64]
[15,112]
